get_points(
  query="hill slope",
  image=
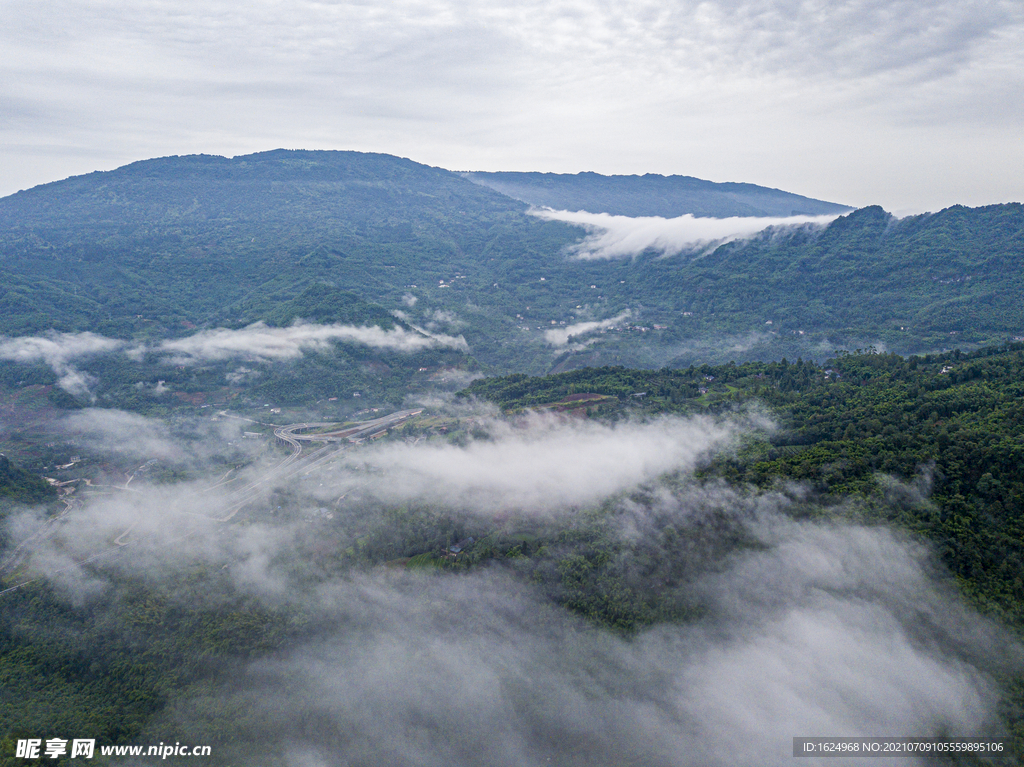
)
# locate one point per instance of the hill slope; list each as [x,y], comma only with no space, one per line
[650,195]
[162,247]
[183,238]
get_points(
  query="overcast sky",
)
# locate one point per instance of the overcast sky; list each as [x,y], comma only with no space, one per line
[911,104]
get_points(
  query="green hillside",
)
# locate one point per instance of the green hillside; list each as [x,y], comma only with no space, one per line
[199,241]
[331,283]
[161,247]
[20,486]
[848,428]
[931,446]
[321,303]
[944,280]
[650,195]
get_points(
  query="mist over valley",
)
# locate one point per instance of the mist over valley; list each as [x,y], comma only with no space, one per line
[328,458]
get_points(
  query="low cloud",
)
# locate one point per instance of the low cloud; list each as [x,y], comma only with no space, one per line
[190,443]
[443,317]
[623,236]
[267,343]
[794,627]
[434,320]
[716,347]
[545,463]
[818,629]
[441,339]
[115,431]
[258,341]
[58,351]
[560,336]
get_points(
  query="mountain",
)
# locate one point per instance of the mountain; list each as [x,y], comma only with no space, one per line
[166,248]
[650,195]
[182,239]
[203,578]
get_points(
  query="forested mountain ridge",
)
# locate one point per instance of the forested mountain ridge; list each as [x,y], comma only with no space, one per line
[650,195]
[181,239]
[948,426]
[227,299]
[864,440]
[901,283]
[162,247]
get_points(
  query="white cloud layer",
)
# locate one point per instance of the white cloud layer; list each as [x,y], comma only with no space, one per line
[58,351]
[117,431]
[490,677]
[545,463]
[819,628]
[263,342]
[810,628]
[626,236]
[560,336]
[120,433]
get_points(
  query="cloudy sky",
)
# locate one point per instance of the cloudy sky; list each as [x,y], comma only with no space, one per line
[911,104]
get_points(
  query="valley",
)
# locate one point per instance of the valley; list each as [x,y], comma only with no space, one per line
[324,457]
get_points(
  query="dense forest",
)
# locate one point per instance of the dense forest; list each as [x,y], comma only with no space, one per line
[948,423]
[928,445]
[650,195]
[112,283]
[16,484]
[162,247]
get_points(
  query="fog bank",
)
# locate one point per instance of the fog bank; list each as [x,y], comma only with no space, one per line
[624,237]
